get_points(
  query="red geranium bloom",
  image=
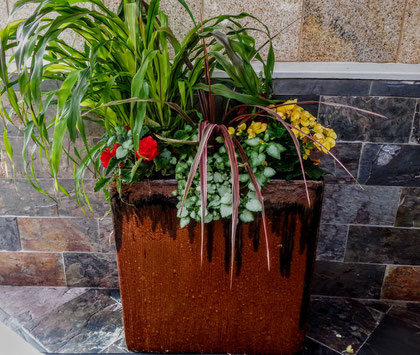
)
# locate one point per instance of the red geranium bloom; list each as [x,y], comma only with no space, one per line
[147,148]
[107,155]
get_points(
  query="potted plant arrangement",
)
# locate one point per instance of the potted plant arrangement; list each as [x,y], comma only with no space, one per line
[215,240]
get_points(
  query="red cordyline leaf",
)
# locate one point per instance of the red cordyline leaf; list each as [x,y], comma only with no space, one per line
[203,184]
[301,103]
[206,133]
[251,174]
[230,148]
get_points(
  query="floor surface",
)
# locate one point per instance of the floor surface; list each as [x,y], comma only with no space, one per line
[58,320]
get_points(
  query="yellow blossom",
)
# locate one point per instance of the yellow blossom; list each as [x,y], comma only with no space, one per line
[242,127]
[231,130]
[330,141]
[256,128]
[305,123]
[286,108]
[318,128]
[332,134]
[305,130]
[319,136]
[251,133]
[295,115]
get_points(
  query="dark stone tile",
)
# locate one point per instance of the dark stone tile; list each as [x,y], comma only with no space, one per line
[402,283]
[390,165]
[59,234]
[9,234]
[415,132]
[26,304]
[350,204]
[347,279]
[88,323]
[106,235]
[407,312]
[311,347]
[395,88]
[334,87]
[383,245]
[92,270]
[332,242]
[339,322]
[408,214]
[352,125]
[21,199]
[31,269]
[393,336]
[382,306]
[349,155]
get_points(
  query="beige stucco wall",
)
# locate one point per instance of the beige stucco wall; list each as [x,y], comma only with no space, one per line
[323,30]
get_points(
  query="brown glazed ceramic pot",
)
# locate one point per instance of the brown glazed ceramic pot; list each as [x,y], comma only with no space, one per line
[173,304]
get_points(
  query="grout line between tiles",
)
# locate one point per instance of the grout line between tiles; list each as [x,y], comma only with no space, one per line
[321,343]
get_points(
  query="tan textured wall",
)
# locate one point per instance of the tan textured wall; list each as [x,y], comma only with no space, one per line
[324,30]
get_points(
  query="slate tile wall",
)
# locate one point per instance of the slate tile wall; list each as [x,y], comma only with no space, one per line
[368,245]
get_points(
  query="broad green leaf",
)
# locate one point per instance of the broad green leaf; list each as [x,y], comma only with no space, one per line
[254,205]
[275,149]
[121,153]
[246,216]
[269,172]
[225,210]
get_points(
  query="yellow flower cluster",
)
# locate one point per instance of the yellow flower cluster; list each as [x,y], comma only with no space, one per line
[253,129]
[305,123]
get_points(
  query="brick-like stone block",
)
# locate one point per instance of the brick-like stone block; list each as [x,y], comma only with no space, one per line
[402,283]
[69,208]
[350,204]
[347,279]
[91,270]
[31,269]
[352,125]
[21,199]
[383,245]
[349,155]
[9,234]
[321,87]
[408,214]
[59,234]
[390,165]
[106,235]
[332,242]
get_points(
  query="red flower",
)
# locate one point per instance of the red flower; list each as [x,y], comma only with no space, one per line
[107,155]
[127,127]
[147,148]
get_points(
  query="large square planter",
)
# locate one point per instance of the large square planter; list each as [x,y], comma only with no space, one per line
[173,304]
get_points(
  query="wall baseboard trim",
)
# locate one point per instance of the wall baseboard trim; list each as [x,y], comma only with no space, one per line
[344,70]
